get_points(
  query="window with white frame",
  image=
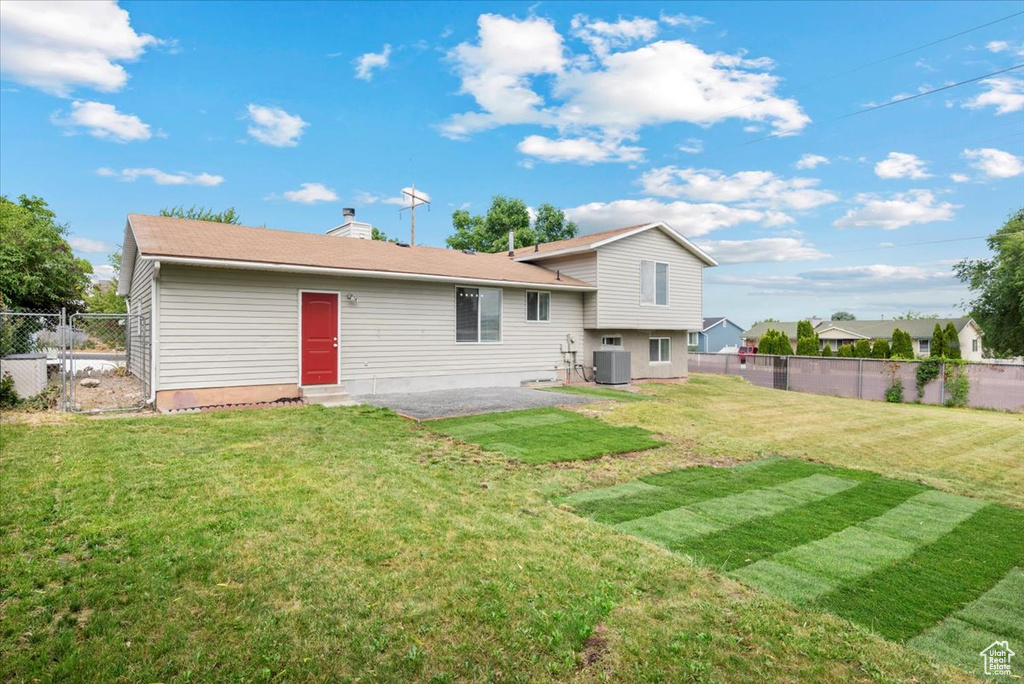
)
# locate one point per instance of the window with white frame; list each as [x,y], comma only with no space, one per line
[974,345]
[691,339]
[924,346]
[538,306]
[611,341]
[653,283]
[477,314]
[661,348]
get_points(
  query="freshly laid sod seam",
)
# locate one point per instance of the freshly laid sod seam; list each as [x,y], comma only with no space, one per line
[739,546]
[691,485]
[614,492]
[997,616]
[938,579]
[671,528]
[860,550]
[598,393]
[545,435]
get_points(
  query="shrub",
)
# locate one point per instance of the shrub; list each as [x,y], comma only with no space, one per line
[774,342]
[804,329]
[862,349]
[937,350]
[807,346]
[826,351]
[957,384]
[952,341]
[8,397]
[902,345]
[845,351]
[927,371]
[894,392]
[880,349]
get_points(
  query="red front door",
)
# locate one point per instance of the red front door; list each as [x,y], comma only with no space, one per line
[319,338]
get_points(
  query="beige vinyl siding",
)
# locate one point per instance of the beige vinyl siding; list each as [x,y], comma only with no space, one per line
[618,282]
[583,267]
[225,328]
[140,296]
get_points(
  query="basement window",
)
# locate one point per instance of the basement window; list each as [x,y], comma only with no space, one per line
[612,341]
[477,314]
[661,348]
[538,306]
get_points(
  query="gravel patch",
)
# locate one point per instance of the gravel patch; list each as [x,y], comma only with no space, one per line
[466,402]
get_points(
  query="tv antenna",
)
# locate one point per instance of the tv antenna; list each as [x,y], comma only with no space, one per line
[414,201]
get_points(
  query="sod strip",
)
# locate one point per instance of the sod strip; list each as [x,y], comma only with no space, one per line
[863,549]
[626,489]
[739,546]
[913,594]
[671,528]
[690,485]
[997,616]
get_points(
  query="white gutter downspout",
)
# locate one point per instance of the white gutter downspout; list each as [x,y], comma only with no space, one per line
[154,294]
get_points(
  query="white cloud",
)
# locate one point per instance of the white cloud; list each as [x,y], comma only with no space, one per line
[688,219]
[58,46]
[995,163]
[309,193]
[752,188]
[102,272]
[580,150]
[691,146]
[761,250]
[857,279]
[365,64]
[162,178]
[614,89]
[1005,93]
[997,46]
[810,161]
[901,165]
[89,246]
[959,177]
[401,200]
[274,126]
[690,21]
[104,121]
[902,209]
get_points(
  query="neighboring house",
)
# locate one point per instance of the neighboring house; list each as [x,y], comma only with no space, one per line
[238,314]
[717,334]
[837,333]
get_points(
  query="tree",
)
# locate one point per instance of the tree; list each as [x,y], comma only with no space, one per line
[37,267]
[826,351]
[489,233]
[912,315]
[998,288]
[952,341]
[203,214]
[862,349]
[880,349]
[379,235]
[774,342]
[807,342]
[937,349]
[765,320]
[902,345]
[843,316]
[845,351]
[103,297]
[551,225]
[804,329]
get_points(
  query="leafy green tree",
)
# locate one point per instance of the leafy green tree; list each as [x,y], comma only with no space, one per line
[862,349]
[880,349]
[804,329]
[379,235]
[195,213]
[807,346]
[845,351]
[937,348]
[902,345]
[952,341]
[489,233]
[37,267]
[843,316]
[912,315]
[103,297]
[998,288]
[826,351]
[775,343]
[765,320]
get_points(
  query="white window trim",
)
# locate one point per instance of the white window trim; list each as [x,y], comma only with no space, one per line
[655,284]
[479,314]
[538,319]
[695,337]
[660,361]
[610,337]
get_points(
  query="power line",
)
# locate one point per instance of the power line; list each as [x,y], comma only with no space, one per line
[927,242]
[890,104]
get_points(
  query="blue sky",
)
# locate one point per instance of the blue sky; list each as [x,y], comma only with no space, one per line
[619,113]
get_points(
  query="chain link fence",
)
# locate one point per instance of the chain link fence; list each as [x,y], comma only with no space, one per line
[991,385]
[75,362]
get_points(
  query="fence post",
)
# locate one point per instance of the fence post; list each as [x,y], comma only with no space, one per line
[62,357]
[942,384]
[788,360]
[860,378]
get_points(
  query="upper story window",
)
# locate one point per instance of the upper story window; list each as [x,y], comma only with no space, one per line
[538,306]
[974,345]
[477,314]
[653,283]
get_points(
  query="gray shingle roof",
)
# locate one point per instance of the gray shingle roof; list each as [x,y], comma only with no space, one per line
[919,328]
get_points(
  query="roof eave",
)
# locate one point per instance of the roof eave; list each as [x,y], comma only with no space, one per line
[668,230]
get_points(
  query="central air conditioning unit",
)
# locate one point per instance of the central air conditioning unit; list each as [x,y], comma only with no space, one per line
[612,367]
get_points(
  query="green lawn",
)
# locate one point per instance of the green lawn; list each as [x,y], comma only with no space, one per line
[311,544]
[895,557]
[545,435]
[599,393]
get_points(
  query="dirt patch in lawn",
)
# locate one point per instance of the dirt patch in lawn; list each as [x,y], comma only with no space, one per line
[595,647]
[112,392]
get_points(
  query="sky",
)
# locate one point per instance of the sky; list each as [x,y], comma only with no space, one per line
[754,129]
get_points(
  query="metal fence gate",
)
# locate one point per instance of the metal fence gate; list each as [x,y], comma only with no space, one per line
[83,363]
